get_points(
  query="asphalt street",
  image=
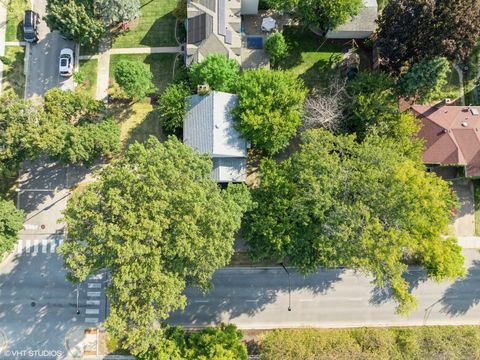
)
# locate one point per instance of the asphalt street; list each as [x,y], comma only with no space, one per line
[259,299]
[43,57]
[38,307]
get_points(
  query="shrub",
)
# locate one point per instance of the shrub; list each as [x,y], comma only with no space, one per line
[135,78]
[276,47]
[427,342]
[172,107]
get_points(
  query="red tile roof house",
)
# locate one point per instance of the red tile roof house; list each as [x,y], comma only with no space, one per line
[452,136]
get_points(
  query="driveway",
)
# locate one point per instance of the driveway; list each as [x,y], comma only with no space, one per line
[43,56]
[464,223]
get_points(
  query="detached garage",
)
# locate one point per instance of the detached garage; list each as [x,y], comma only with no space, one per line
[360,26]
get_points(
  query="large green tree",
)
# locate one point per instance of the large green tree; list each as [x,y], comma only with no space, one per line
[218,71]
[76,20]
[424,80]
[321,14]
[19,132]
[77,128]
[270,107]
[412,30]
[114,12]
[11,222]
[157,222]
[338,202]
[374,109]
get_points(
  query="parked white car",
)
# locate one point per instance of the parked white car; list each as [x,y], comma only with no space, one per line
[65,65]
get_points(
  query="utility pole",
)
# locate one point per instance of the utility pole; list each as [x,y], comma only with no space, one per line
[289,287]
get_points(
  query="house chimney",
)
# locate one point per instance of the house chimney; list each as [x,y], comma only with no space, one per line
[203,89]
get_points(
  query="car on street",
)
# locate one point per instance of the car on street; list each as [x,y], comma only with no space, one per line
[30,22]
[65,65]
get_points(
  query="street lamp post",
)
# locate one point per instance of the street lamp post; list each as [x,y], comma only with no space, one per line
[289,287]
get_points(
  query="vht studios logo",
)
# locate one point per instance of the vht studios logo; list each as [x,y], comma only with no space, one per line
[25,353]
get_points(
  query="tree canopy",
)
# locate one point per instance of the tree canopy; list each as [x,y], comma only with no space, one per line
[19,132]
[77,128]
[114,12]
[135,78]
[425,79]
[219,72]
[411,30]
[157,222]
[219,343]
[11,222]
[270,107]
[327,14]
[338,202]
[75,20]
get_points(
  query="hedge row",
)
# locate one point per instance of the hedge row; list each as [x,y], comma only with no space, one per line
[428,342]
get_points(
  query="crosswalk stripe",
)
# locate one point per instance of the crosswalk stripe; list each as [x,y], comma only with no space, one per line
[93,302]
[28,246]
[53,246]
[91,320]
[44,246]
[35,246]
[92,311]
[60,241]
[93,293]
[19,247]
[94,285]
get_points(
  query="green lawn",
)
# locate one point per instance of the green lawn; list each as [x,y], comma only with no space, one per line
[15,12]
[161,66]
[311,57]
[89,70]
[138,121]
[155,27]
[13,76]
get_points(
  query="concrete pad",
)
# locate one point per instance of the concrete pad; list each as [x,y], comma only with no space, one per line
[464,223]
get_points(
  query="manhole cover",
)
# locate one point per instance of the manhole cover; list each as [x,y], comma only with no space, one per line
[33,303]
[42,227]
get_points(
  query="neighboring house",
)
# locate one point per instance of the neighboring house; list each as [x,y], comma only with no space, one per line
[452,136]
[209,128]
[360,26]
[214,26]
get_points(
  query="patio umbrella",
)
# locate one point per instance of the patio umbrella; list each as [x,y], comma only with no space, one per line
[268,24]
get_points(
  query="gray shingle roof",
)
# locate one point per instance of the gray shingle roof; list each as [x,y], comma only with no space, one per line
[364,21]
[209,128]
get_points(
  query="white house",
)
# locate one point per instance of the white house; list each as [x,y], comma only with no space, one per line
[360,26]
[209,128]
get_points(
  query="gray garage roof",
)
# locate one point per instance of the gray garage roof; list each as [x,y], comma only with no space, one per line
[209,128]
[363,22]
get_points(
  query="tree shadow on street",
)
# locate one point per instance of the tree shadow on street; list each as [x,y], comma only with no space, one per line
[463,294]
[248,292]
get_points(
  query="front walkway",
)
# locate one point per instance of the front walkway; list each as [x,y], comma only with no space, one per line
[103,71]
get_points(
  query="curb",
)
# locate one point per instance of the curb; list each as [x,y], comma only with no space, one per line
[26,63]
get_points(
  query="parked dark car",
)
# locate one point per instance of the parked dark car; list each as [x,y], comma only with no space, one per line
[30,22]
